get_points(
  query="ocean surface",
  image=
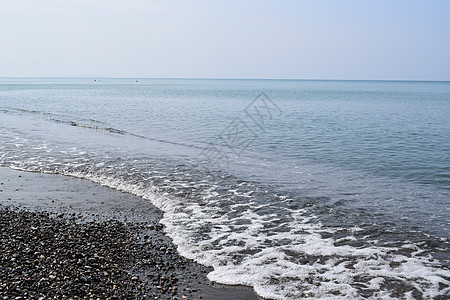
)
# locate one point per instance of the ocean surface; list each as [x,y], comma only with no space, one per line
[297,188]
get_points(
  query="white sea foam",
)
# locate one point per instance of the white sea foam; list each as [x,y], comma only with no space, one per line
[298,263]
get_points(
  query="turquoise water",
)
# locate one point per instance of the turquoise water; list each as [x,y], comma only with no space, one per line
[298,188]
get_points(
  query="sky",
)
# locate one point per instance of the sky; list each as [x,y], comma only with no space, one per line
[310,39]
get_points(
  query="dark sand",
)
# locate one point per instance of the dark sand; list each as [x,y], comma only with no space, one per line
[147,267]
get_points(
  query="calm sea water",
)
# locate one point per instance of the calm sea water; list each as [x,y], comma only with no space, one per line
[300,189]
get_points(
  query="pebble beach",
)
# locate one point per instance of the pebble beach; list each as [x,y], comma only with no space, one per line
[60,240]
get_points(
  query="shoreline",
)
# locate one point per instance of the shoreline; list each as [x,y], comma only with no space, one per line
[151,266]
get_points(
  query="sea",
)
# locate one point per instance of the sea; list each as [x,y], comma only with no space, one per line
[300,189]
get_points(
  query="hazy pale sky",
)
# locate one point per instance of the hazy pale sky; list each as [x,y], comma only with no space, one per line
[320,39]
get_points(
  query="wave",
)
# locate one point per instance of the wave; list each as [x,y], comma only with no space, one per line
[76,124]
[84,123]
[68,120]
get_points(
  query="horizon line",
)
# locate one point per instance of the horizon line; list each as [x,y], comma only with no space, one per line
[219,78]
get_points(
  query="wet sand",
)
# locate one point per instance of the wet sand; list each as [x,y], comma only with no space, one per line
[147,264]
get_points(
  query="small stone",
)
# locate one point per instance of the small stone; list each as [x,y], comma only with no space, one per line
[86,280]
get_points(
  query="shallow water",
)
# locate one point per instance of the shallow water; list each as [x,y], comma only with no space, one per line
[314,189]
